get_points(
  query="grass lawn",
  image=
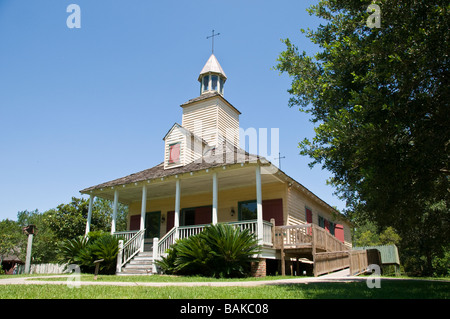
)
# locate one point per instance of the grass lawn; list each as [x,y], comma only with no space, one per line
[390,289]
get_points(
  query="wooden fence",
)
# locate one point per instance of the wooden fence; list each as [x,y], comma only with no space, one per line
[358,261]
[43,269]
[330,261]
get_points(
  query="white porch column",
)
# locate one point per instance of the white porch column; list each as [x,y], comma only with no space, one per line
[259,211]
[143,206]
[89,216]
[143,211]
[114,217]
[215,201]
[176,222]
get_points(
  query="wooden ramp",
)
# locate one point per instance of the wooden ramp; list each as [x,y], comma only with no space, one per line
[310,241]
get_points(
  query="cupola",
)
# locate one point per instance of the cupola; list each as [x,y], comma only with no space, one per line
[212,78]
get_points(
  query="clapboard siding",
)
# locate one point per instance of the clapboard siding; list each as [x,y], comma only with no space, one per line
[228,123]
[174,137]
[210,120]
[297,202]
[201,119]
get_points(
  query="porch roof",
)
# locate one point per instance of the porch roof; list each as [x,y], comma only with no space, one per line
[215,157]
[236,167]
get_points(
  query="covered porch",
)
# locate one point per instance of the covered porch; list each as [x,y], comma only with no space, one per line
[178,204]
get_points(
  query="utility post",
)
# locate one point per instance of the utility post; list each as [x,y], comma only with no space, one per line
[29,230]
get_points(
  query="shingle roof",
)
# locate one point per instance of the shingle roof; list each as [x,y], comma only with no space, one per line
[212,66]
[208,95]
[215,157]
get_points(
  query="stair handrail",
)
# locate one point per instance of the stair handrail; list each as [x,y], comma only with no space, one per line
[132,247]
[166,241]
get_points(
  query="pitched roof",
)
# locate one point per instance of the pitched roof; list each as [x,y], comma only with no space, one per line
[208,95]
[226,154]
[212,66]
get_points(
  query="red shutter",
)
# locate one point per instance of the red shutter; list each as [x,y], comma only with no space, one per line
[308,216]
[135,222]
[170,220]
[203,215]
[327,225]
[339,232]
[273,208]
[174,153]
[309,219]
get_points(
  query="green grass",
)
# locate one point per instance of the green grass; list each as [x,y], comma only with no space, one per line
[165,278]
[390,289]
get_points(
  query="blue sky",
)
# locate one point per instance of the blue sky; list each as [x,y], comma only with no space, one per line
[79,107]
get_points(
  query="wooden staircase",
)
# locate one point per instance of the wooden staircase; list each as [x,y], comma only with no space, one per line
[141,264]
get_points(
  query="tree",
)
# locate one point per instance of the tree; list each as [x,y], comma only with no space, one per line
[379,99]
[44,241]
[68,221]
[11,238]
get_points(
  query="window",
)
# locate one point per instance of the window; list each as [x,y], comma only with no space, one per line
[205,83]
[247,210]
[321,222]
[221,81]
[188,217]
[174,153]
[214,80]
[331,227]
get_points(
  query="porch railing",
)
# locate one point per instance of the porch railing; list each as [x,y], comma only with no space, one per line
[296,236]
[165,242]
[125,235]
[130,248]
[186,231]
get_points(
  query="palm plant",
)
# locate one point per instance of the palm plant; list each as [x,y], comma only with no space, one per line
[106,247]
[232,249]
[69,249]
[83,251]
[220,251]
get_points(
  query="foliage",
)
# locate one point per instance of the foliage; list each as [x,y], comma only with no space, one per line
[106,248]
[379,99]
[70,248]
[11,238]
[368,234]
[69,220]
[83,251]
[65,222]
[44,241]
[218,251]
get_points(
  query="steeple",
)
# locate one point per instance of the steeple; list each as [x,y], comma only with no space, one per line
[212,77]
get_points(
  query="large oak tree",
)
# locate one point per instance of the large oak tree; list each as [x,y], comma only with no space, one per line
[379,98]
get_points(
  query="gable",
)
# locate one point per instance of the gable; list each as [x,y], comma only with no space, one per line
[181,147]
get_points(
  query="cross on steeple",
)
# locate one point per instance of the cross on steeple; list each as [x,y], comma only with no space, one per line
[212,36]
[279,159]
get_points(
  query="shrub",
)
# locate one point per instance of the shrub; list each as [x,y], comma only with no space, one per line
[84,251]
[218,251]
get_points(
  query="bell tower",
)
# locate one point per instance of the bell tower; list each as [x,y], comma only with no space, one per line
[210,116]
[212,78]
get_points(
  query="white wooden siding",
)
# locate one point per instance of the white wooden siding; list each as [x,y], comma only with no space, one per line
[210,120]
[176,136]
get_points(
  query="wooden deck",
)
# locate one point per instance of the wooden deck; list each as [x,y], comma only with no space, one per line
[312,242]
[309,241]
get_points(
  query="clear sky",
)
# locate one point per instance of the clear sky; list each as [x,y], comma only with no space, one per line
[79,107]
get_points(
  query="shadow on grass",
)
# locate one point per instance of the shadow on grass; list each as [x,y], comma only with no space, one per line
[389,289]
